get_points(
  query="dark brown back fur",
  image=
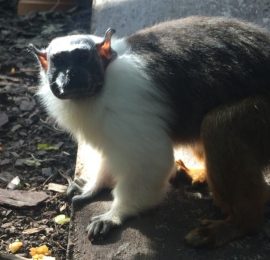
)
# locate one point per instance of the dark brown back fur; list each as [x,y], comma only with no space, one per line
[201,63]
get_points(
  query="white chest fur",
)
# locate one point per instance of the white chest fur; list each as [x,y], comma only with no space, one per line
[126,101]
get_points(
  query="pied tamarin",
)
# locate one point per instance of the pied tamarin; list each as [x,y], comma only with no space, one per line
[132,100]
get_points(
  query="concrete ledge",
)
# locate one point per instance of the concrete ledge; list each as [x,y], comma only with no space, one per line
[127,16]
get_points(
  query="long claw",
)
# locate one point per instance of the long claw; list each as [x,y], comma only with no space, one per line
[98,228]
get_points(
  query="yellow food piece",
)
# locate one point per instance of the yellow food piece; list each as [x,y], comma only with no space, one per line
[41,257]
[37,253]
[37,257]
[15,247]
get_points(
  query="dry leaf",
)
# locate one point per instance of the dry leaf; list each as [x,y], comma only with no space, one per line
[63,207]
[57,187]
[33,230]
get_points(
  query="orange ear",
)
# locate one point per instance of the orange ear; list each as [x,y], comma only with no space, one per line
[41,55]
[104,48]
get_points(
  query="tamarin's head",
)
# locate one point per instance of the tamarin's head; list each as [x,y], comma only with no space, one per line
[74,65]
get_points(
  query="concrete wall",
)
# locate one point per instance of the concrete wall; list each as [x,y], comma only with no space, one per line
[127,16]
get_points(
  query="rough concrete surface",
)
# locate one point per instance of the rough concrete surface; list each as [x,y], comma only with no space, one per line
[127,16]
[159,233]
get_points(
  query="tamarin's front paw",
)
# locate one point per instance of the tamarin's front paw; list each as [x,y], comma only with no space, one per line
[81,198]
[75,186]
[101,225]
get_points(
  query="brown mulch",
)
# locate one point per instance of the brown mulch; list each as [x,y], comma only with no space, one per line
[31,146]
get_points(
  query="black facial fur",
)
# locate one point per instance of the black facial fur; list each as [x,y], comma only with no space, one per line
[200,63]
[75,73]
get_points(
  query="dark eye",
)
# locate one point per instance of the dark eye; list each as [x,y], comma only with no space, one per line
[59,60]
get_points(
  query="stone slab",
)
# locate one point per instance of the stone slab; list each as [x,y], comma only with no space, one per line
[159,233]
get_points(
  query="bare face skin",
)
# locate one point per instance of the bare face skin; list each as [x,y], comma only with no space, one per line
[74,65]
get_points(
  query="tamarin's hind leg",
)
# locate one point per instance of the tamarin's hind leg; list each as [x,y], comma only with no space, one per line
[236,142]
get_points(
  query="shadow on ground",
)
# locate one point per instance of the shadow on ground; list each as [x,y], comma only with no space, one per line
[159,233]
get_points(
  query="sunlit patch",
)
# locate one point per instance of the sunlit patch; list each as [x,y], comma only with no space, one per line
[92,161]
[186,155]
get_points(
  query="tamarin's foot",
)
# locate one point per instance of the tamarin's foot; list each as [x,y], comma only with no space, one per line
[213,233]
[101,225]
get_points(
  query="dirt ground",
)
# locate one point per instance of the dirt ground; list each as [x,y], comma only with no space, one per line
[31,147]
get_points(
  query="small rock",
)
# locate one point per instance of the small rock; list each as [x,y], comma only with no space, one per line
[3,118]
[15,154]
[19,162]
[43,238]
[28,122]
[6,177]
[57,187]
[27,105]
[5,161]
[14,183]
[15,109]
[41,152]
[12,230]
[48,230]
[46,171]
[22,133]
[194,195]
[15,128]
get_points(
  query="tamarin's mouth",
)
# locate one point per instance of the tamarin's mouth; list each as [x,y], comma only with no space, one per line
[74,94]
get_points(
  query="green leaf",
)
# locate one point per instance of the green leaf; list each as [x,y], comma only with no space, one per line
[47,147]
[30,162]
[61,219]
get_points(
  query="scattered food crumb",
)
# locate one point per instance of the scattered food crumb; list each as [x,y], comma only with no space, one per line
[15,246]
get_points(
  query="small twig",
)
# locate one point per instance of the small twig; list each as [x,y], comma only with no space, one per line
[66,176]
[55,6]
[54,128]
[40,160]
[46,181]
[60,245]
